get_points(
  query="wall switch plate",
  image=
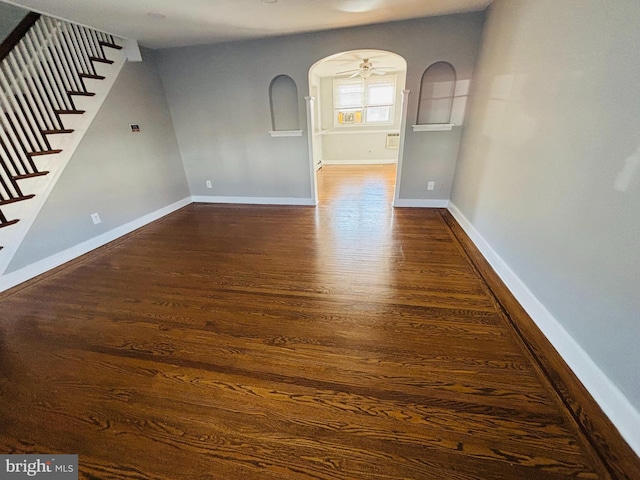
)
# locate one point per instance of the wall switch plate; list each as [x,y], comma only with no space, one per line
[431,185]
[95,218]
[208,183]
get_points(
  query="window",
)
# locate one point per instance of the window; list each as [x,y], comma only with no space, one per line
[359,101]
[436,94]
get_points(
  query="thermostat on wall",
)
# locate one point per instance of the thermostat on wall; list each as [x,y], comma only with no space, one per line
[134,128]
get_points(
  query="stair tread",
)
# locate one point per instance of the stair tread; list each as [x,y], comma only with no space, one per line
[77,112]
[30,175]
[54,132]
[101,60]
[91,75]
[16,199]
[110,45]
[84,94]
[10,222]
[44,152]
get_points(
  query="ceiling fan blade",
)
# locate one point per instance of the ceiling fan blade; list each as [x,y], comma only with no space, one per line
[371,55]
[348,71]
[355,74]
[343,60]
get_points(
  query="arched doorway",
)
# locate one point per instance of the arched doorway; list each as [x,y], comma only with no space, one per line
[357,114]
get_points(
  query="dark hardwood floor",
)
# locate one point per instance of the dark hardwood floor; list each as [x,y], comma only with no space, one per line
[347,341]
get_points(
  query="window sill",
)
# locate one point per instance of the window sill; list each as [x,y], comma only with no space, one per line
[361,130]
[285,133]
[433,127]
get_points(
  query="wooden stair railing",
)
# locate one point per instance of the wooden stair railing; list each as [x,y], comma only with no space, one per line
[43,65]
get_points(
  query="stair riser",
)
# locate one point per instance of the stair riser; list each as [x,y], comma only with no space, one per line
[60,141]
[108,70]
[45,163]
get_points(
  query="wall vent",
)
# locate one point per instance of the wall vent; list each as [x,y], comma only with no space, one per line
[393,141]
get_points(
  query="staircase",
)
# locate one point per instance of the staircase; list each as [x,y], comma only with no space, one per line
[54,76]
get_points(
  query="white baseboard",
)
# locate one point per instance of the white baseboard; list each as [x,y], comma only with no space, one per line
[382,161]
[421,203]
[14,278]
[254,200]
[613,402]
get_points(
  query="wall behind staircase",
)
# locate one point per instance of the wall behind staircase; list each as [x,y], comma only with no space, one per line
[118,174]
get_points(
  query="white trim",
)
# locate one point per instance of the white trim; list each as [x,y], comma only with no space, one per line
[132,50]
[612,401]
[421,203]
[433,127]
[41,266]
[381,161]
[358,131]
[285,133]
[254,200]
[310,103]
[403,134]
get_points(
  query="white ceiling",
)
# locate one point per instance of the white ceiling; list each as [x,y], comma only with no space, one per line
[192,22]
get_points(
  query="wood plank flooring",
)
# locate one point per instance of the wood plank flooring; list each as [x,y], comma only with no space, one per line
[346,341]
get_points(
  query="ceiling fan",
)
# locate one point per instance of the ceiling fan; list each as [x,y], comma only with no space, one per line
[365,70]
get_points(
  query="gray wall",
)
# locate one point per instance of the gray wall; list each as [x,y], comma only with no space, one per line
[10,17]
[434,157]
[218,95]
[119,174]
[549,168]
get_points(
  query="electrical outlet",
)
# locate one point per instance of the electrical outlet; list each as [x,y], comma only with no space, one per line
[95,218]
[208,183]
[431,185]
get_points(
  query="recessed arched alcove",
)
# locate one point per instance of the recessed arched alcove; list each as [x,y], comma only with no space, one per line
[283,100]
[437,91]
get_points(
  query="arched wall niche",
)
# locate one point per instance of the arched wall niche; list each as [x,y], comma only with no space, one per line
[437,91]
[283,100]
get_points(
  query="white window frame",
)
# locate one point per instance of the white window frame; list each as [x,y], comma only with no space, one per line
[365,82]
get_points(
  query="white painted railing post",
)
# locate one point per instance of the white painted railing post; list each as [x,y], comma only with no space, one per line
[403,130]
[310,129]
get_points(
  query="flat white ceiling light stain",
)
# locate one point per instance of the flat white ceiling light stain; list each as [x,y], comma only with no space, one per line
[193,22]
[358,6]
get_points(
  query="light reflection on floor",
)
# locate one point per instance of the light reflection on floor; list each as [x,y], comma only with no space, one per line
[354,232]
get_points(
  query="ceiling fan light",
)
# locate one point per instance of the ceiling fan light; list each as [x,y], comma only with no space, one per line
[365,73]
